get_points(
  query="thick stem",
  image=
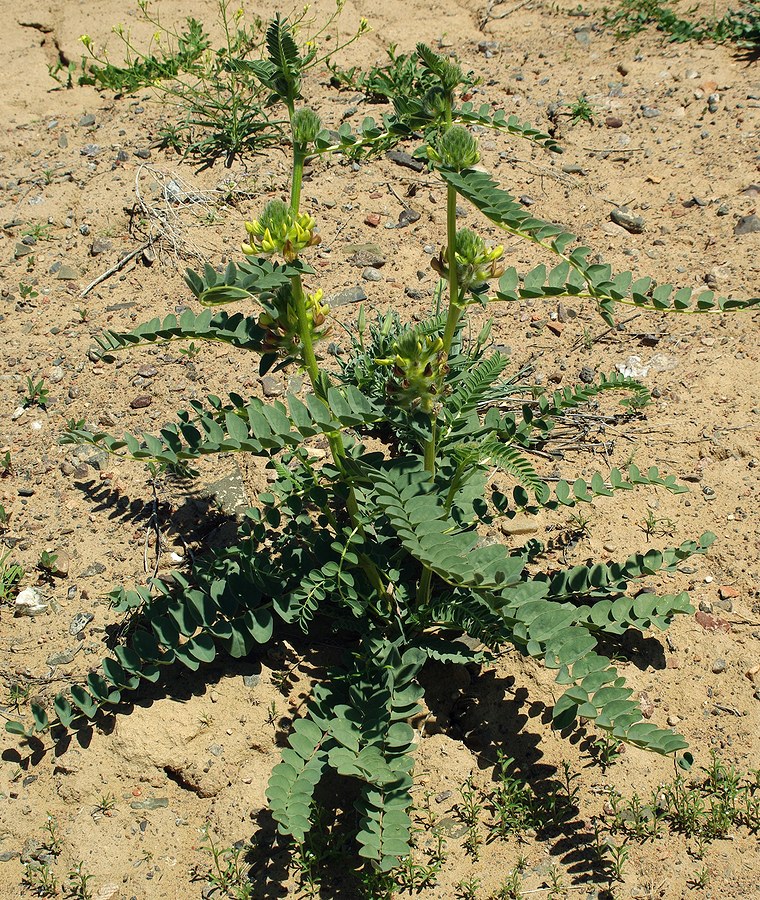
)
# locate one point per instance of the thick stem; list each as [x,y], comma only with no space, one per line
[455,309]
[295,186]
[307,345]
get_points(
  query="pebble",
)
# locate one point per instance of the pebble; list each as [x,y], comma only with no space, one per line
[673,721]
[30,602]
[55,374]
[747,225]
[98,246]
[147,371]
[370,274]
[150,803]
[67,273]
[251,681]
[349,295]
[613,122]
[141,401]
[122,156]
[628,220]
[63,658]
[142,153]
[719,666]
[272,386]
[97,568]
[587,375]
[365,257]
[373,220]
[407,217]
[91,150]
[80,622]
[649,112]
[87,120]
[526,200]
[405,159]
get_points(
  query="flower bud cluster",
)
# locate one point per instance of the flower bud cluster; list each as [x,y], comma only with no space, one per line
[418,369]
[477,263]
[280,230]
[306,126]
[457,149]
[279,321]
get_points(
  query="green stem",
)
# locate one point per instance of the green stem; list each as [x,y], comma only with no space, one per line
[295,187]
[455,309]
[307,344]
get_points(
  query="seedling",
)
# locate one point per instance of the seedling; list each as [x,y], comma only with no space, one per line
[469,810]
[39,232]
[53,843]
[27,291]
[468,888]
[106,805]
[701,879]
[18,695]
[581,110]
[229,869]
[78,886]
[11,573]
[47,564]
[41,879]
[84,314]
[6,465]
[606,751]
[191,351]
[36,393]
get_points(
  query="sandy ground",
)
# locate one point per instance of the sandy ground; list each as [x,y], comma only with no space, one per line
[130,800]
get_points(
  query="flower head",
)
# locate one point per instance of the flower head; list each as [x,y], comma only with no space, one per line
[476,263]
[457,149]
[280,230]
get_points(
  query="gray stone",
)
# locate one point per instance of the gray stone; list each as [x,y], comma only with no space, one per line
[87,120]
[404,159]
[272,386]
[30,602]
[142,153]
[98,246]
[63,658]
[97,568]
[67,273]
[628,220]
[150,803]
[366,257]
[407,217]
[587,375]
[719,666]
[747,225]
[349,295]
[649,112]
[370,274]
[91,150]
[80,622]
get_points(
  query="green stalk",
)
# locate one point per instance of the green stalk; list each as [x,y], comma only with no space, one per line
[455,309]
[295,187]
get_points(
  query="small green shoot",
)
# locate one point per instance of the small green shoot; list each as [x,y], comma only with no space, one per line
[36,393]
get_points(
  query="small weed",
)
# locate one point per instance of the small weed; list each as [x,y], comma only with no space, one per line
[6,465]
[654,526]
[53,841]
[84,314]
[413,875]
[272,715]
[10,574]
[581,110]
[468,888]
[27,291]
[41,880]
[469,811]
[38,231]
[700,879]
[47,564]
[191,351]
[556,885]
[18,695]
[511,888]
[229,870]
[606,751]
[36,393]
[618,856]
[78,885]
[106,805]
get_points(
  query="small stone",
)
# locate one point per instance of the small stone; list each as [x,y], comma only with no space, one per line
[587,375]
[712,623]
[370,274]
[724,605]
[122,156]
[62,659]
[673,721]
[80,622]
[613,122]
[649,112]
[526,200]
[272,386]
[719,666]
[373,220]
[723,210]
[141,401]
[747,225]
[91,150]
[147,371]
[8,855]
[216,749]
[150,803]
[87,120]
[623,68]
[407,217]
[55,374]
[404,159]
[30,602]
[726,592]
[705,606]
[67,273]
[647,705]
[349,295]
[98,246]
[628,220]
[148,256]
[97,568]
[443,796]
[142,153]
[251,681]
[365,256]
[84,229]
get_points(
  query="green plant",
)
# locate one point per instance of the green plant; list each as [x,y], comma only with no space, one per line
[468,888]
[27,291]
[38,231]
[18,695]
[106,805]
[41,880]
[701,879]
[229,869]
[53,841]
[469,810]
[6,465]
[606,751]
[581,110]
[78,886]
[47,564]
[4,518]
[382,545]
[36,393]
[84,314]
[10,573]
[654,526]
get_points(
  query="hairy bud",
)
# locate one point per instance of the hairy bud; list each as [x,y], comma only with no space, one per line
[280,230]
[306,126]
[457,149]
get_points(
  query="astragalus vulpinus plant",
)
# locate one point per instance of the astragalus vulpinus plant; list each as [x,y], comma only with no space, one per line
[382,545]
